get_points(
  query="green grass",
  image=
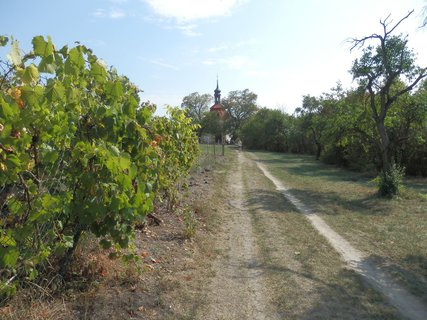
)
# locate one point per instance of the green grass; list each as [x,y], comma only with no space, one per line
[210,156]
[417,184]
[392,232]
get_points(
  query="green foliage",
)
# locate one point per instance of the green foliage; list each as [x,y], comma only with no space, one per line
[196,105]
[178,149]
[314,120]
[212,124]
[3,41]
[190,221]
[266,130]
[387,73]
[79,153]
[240,106]
[390,181]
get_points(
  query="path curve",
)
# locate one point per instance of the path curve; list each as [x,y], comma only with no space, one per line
[407,304]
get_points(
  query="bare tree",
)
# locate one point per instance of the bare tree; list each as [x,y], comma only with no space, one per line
[379,69]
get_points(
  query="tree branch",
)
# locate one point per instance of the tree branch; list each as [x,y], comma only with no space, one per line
[399,22]
[421,76]
[27,194]
[8,150]
[361,42]
[11,68]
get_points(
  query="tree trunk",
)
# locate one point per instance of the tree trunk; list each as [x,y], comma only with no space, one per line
[318,150]
[66,259]
[223,143]
[317,143]
[384,146]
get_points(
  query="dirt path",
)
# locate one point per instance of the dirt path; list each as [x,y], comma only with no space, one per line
[272,264]
[408,305]
[237,290]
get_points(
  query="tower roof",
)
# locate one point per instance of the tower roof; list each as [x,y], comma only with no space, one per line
[217,94]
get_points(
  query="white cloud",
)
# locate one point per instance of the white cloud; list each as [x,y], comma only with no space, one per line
[209,62]
[113,13]
[263,73]
[99,13]
[218,48]
[235,46]
[189,30]
[95,43]
[164,65]
[233,62]
[187,10]
[237,62]
[116,13]
[248,42]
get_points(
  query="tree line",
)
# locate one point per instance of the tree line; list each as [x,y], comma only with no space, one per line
[379,125]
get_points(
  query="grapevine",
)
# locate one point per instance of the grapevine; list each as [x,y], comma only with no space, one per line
[79,152]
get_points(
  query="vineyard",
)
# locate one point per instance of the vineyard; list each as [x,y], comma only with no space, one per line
[233,210]
[79,153]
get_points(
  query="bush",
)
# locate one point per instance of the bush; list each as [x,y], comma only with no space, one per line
[390,181]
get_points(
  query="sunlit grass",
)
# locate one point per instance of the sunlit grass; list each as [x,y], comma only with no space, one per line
[394,232]
[304,274]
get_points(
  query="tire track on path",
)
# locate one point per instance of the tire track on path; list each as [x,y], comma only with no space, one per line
[237,291]
[407,304]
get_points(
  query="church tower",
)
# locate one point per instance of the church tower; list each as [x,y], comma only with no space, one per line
[217,106]
[217,94]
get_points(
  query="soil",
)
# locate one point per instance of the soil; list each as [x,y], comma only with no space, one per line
[238,290]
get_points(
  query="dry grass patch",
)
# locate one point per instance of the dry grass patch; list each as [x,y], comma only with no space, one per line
[306,276]
[393,232]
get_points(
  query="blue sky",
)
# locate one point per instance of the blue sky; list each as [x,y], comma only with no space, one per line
[279,49]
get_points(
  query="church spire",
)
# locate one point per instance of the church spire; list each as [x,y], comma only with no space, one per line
[217,93]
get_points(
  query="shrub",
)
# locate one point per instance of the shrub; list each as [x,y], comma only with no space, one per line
[390,181]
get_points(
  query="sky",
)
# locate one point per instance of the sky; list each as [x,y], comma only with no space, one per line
[278,49]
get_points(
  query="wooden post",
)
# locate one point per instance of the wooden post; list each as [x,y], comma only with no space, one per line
[223,143]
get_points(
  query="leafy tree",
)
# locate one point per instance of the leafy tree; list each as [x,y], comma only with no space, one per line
[240,105]
[378,70]
[212,124]
[266,130]
[409,131]
[349,134]
[197,105]
[312,120]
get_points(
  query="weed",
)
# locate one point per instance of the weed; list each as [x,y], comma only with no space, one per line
[190,221]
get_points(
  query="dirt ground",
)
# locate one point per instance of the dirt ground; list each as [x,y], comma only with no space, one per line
[254,255]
